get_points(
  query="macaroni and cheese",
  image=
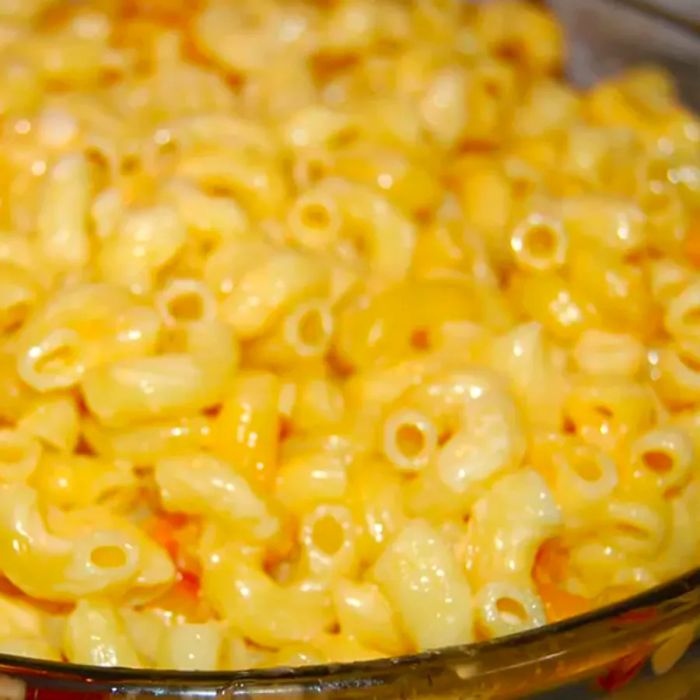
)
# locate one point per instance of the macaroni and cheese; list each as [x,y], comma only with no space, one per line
[333,330]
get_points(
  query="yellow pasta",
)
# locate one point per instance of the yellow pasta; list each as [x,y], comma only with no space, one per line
[637,528]
[201,485]
[409,183]
[253,179]
[582,478]
[19,456]
[192,647]
[79,562]
[78,481]
[327,536]
[54,420]
[20,619]
[530,32]
[266,291]
[19,294]
[616,224]
[374,496]
[410,440]
[605,413]
[303,336]
[539,244]
[365,613]
[245,431]
[237,589]
[662,459]
[33,647]
[149,387]
[214,218]
[141,444]
[317,403]
[535,371]
[95,635]
[332,331]
[507,528]
[484,433]
[600,353]
[79,328]
[505,608]
[550,299]
[186,301]
[62,227]
[313,476]
[375,331]
[427,588]
[145,241]
[682,311]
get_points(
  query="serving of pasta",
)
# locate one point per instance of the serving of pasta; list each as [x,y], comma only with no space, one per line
[334,330]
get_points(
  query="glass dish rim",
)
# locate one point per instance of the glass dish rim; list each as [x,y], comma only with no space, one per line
[325,676]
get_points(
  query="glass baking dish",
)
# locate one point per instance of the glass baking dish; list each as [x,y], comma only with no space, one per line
[640,648]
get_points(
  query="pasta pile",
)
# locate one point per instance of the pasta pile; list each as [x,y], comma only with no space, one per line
[334,330]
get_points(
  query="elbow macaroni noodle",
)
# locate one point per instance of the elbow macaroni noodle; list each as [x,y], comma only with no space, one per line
[332,331]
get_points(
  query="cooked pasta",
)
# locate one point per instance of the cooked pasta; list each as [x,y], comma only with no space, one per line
[334,330]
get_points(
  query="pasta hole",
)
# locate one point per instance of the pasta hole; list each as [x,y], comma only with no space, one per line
[603,412]
[13,316]
[316,170]
[315,216]
[57,360]
[84,447]
[634,532]
[100,167]
[345,137]
[672,493]
[129,165]
[540,241]
[492,88]
[638,257]
[108,557]
[444,436]
[218,189]
[511,51]
[522,186]
[360,246]
[111,494]
[588,469]
[328,535]
[511,611]
[312,329]
[658,461]
[420,339]
[97,158]
[410,440]
[167,150]
[186,307]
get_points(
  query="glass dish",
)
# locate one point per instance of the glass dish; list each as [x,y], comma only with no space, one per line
[643,647]
[582,658]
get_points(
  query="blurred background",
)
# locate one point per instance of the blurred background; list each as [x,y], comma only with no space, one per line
[606,35]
